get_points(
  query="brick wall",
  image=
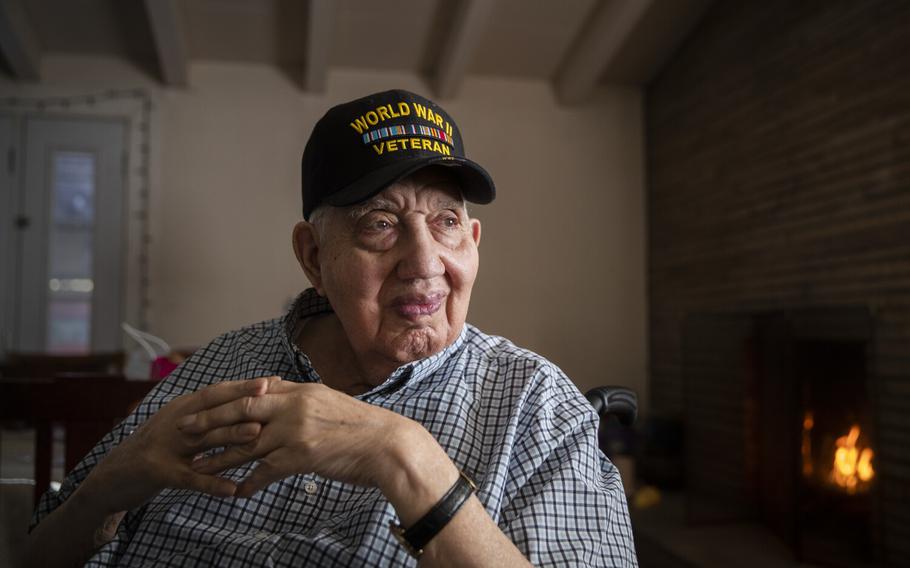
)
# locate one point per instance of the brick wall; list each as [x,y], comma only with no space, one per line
[778,163]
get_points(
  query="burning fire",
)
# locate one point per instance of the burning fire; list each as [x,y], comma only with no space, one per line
[851,468]
[852,464]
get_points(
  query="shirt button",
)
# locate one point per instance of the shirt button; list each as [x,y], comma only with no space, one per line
[310,487]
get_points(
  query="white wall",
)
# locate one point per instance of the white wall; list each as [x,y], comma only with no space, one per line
[562,257]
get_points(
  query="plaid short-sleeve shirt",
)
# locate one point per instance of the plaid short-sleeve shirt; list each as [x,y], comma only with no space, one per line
[507,417]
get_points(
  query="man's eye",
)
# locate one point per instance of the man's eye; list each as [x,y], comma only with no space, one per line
[377,225]
[450,221]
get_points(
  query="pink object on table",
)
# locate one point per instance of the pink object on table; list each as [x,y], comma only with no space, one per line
[161,367]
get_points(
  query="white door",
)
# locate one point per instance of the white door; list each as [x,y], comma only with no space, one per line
[69,290]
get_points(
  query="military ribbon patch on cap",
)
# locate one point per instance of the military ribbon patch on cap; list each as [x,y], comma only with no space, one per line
[404,130]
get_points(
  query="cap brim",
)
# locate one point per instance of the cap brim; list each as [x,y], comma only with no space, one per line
[476,184]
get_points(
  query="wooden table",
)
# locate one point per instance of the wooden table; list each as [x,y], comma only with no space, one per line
[87,406]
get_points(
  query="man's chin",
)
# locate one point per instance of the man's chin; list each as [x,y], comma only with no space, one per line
[417,342]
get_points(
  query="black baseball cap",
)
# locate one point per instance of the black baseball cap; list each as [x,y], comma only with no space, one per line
[360,147]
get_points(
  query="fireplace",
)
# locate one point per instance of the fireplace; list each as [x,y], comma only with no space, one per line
[780,428]
[837,459]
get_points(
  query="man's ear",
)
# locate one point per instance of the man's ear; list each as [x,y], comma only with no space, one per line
[475,231]
[306,249]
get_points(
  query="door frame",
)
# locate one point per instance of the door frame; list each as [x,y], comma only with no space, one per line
[10,167]
[105,139]
[138,108]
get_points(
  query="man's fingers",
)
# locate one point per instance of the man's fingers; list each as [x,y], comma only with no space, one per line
[233,456]
[226,436]
[281,387]
[250,408]
[262,476]
[226,391]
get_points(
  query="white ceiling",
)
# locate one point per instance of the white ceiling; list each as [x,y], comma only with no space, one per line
[575,44]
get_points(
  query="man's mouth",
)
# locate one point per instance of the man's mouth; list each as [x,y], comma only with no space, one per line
[415,305]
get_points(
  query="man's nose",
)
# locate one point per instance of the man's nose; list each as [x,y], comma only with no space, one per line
[420,255]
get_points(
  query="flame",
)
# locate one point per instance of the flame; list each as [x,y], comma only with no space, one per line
[852,467]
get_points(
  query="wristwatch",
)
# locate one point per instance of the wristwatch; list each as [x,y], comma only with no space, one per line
[415,538]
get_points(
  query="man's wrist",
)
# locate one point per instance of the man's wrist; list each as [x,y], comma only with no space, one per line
[92,502]
[87,510]
[416,537]
[97,495]
[417,475]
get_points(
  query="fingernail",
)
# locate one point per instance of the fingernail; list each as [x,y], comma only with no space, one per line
[186,421]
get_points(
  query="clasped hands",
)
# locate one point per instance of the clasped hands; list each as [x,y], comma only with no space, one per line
[288,427]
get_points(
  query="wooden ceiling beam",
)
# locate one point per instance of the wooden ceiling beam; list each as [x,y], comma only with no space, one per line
[166,26]
[598,43]
[468,24]
[319,26]
[18,43]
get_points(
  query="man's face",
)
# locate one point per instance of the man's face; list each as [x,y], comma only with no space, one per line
[399,268]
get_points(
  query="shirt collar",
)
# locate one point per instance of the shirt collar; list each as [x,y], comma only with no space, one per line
[309,303]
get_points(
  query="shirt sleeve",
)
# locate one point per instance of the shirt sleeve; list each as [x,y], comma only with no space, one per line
[569,508]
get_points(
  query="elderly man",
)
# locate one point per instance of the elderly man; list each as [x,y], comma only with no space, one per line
[371,424]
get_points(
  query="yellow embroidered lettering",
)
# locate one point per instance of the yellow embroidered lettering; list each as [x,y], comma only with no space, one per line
[404,109]
[438,120]
[445,149]
[448,128]
[383,113]
[415,143]
[372,118]
[420,110]
[359,125]
[391,146]
[431,116]
[427,145]
[379,149]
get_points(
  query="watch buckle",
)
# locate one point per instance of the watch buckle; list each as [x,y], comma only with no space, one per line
[398,532]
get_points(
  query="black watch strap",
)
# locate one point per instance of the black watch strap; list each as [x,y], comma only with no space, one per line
[415,538]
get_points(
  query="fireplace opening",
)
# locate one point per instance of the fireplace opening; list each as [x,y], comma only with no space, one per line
[836,455]
[780,429]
